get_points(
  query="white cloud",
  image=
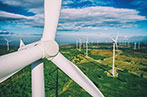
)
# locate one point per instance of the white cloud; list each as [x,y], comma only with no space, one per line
[12,15]
[75,19]
[36,20]
[67,2]
[93,17]
[24,3]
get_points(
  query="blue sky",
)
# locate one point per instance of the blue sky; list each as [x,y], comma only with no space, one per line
[99,20]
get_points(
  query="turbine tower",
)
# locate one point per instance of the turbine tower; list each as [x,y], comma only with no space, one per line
[139,45]
[80,44]
[77,44]
[114,44]
[97,43]
[128,44]
[48,48]
[135,46]
[87,47]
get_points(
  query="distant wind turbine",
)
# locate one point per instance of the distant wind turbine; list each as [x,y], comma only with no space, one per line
[135,46]
[77,44]
[7,43]
[128,44]
[139,45]
[92,43]
[80,44]
[126,38]
[87,47]
[114,44]
[97,43]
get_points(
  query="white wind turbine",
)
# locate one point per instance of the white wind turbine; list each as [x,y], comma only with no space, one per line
[114,44]
[45,48]
[97,43]
[7,43]
[135,46]
[126,40]
[77,44]
[128,44]
[87,47]
[80,44]
[139,45]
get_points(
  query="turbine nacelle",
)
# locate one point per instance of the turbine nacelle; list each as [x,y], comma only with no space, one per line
[49,48]
[115,40]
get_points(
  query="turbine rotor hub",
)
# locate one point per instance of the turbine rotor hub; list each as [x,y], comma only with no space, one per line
[50,48]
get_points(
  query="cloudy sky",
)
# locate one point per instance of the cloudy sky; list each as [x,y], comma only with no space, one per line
[99,20]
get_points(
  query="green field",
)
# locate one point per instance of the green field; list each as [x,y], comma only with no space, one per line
[131,66]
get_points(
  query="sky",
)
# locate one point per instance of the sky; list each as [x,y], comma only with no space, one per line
[99,20]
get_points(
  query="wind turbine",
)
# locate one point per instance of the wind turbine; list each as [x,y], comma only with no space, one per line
[87,47]
[97,43]
[77,44]
[114,43]
[139,45]
[7,43]
[48,48]
[80,44]
[135,46]
[128,44]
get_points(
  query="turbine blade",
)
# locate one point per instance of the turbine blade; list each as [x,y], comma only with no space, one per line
[76,74]
[38,79]
[6,39]
[112,39]
[51,13]
[117,36]
[13,62]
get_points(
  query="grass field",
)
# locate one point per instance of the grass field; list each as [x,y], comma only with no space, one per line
[131,68]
